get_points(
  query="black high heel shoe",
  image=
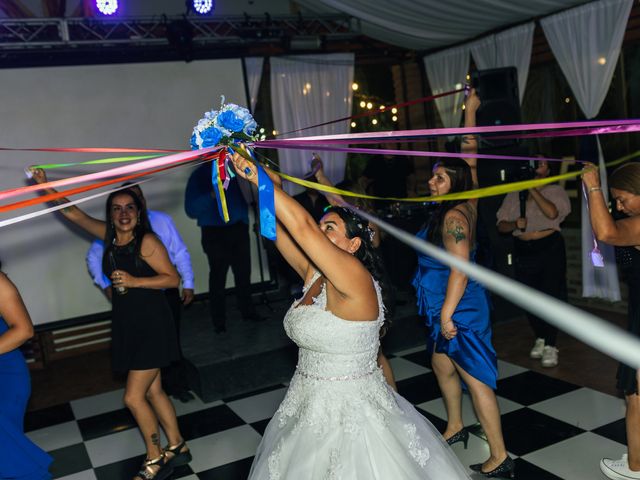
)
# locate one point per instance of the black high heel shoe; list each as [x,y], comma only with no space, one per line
[507,469]
[460,436]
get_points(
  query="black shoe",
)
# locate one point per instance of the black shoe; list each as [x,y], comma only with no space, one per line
[220,328]
[460,436]
[184,396]
[178,457]
[505,470]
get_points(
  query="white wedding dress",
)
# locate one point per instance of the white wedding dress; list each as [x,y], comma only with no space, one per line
[339,419]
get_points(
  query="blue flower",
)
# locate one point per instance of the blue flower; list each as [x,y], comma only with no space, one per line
[229,120]
[211,137]
[194,143]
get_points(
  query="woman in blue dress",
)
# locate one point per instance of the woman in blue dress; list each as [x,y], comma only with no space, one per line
[457,311]
[20,458]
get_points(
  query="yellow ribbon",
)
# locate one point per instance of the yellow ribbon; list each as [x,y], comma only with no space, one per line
[466,195]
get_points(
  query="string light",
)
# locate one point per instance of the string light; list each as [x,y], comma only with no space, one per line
[382,107]
[567,100]
[369,105]
[275,132]
[261,130]
[602,60]
[374,121]
[363,104]
[394,110]
[353,124]
[354,86]
[394,118]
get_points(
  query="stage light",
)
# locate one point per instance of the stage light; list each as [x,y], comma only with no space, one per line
[107,7]
[203,7]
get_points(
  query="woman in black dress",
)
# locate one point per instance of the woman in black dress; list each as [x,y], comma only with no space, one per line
[624,184]
[143,335]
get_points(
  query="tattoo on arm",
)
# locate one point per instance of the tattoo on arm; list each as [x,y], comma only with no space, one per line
[455,229]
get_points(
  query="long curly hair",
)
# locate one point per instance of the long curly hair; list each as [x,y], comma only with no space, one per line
[460,175]
[357,226]
[143,226]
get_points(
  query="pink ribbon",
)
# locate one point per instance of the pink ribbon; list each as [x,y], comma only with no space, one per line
[113,172]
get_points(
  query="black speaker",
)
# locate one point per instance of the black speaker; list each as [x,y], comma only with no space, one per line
[498,92]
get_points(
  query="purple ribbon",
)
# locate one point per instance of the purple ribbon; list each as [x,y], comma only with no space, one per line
[410,153]
[591,127]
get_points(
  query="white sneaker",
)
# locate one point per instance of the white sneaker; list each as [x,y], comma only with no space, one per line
[536,351]
[618,469]
[549,356]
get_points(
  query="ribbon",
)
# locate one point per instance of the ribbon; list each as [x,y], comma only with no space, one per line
[376,112]
[218,188]
[466,195]
[591,127]
[266,204]
[177,158]
[409,153]
[101,161]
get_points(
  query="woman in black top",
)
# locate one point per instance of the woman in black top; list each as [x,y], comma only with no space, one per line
[143,335]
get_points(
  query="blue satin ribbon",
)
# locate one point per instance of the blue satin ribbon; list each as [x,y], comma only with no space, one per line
[266,205]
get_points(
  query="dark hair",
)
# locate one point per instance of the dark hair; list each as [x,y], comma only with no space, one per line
[356,226]
[627,178]
[460,175]
[143,226]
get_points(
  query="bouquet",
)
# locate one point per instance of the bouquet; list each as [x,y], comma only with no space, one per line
[229,125]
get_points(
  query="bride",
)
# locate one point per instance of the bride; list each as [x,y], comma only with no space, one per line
[339,418]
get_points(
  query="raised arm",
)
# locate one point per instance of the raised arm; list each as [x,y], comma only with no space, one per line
[92,225]
[347,275]
[470,142]
[621,233]
[14,312]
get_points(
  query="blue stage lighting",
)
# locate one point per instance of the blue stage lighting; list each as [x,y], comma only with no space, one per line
[203,7]
[107,7]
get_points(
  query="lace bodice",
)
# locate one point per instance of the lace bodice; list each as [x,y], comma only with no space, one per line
[331,347]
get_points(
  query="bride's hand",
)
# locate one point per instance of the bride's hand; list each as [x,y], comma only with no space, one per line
[244,168]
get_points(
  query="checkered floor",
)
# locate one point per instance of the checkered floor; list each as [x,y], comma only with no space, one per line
[554,429]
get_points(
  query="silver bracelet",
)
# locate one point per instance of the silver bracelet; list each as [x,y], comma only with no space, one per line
[595,189]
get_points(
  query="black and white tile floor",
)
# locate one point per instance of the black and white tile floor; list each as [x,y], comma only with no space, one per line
[553,428]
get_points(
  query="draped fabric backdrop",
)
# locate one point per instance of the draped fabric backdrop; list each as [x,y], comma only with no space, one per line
[586,42]
[447,70]
[511,48]
[253,70]
[308,90]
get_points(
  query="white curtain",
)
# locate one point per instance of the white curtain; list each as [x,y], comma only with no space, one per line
[431,24]
[447,70]
[586,42]
[308,90]
[511,48]
[253,71]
